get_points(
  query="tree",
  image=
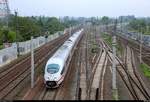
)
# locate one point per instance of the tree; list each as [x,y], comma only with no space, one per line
[53,25]
[138,24]
[7,36]
[105,20]
[26,27]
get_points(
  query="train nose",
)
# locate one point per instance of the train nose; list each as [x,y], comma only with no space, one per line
[51,83]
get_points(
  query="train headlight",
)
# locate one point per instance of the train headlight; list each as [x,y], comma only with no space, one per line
[47,78]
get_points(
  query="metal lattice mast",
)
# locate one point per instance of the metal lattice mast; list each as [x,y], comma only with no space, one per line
[4,11]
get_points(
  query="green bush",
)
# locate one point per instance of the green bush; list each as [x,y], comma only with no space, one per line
[11,36]
[107,38]
[1,47]
[146,70]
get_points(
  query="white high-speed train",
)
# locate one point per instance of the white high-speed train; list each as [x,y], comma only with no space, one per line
[57,66]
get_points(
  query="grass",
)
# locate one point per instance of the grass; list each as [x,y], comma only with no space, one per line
[94,48]
[119,48]
[107,38]
[146,69]
[115,95]
[1,47]
[145,33]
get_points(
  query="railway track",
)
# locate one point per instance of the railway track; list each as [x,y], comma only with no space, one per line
[136,47]
[132,70]
[40,92]
[87,61]
[92,85]
[96,90]
[11,78]
[93,88]
[98,72]
[132,81]
[87,88]
[58,93]
[82,79]
[98,77]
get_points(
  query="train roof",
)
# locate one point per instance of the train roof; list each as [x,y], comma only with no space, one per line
[63,50]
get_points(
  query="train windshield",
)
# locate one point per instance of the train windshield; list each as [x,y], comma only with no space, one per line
[52,68]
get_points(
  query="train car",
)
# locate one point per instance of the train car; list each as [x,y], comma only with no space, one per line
[57,66]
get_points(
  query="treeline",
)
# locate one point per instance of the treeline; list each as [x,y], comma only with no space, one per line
[22,28]
[131,23]
[141,25]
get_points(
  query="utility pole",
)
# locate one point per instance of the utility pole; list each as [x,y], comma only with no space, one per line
[121,23]
[32,63]
[114,86]
[16,21]
[141,47]
[70,31]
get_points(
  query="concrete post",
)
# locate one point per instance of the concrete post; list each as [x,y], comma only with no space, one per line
[141,48]
[70,31]
[32,63]
[115,93]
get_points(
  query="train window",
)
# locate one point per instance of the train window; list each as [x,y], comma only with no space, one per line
[64,47]
[53,68]
[70,40]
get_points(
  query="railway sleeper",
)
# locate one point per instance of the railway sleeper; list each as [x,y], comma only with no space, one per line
[94,94]
[82,94]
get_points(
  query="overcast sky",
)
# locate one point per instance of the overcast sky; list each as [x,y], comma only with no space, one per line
[85,8]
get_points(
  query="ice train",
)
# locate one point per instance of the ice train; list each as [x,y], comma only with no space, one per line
[57,66]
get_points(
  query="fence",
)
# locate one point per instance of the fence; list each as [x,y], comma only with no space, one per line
[25,47]
[137,37]
[9,54]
